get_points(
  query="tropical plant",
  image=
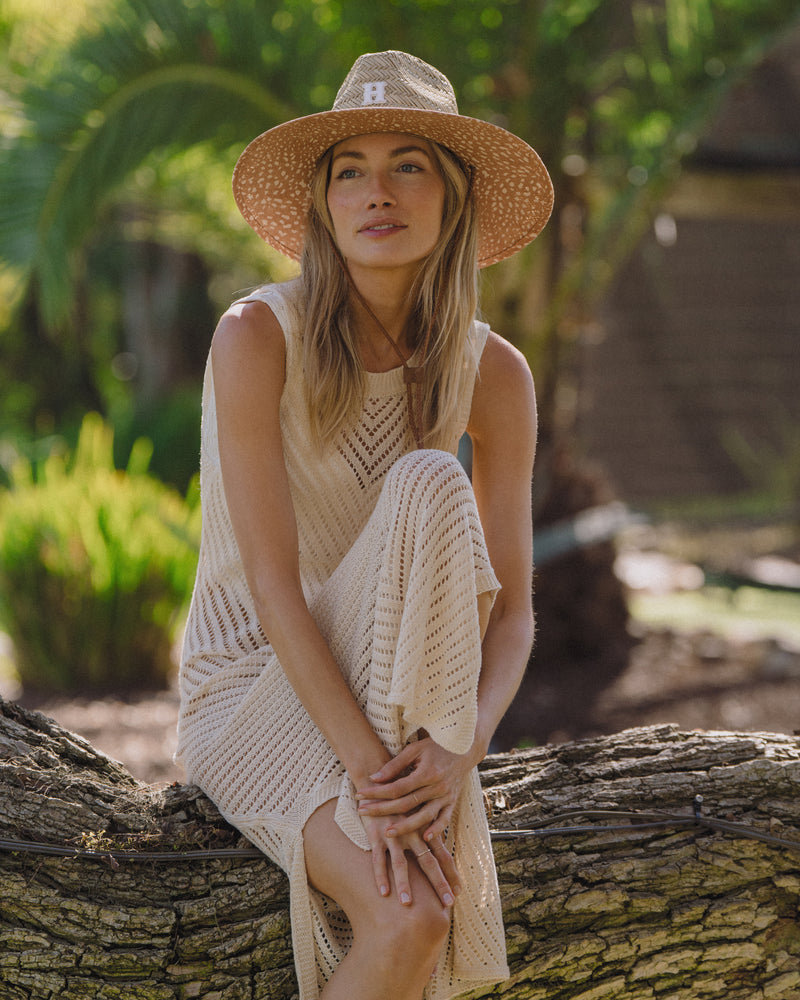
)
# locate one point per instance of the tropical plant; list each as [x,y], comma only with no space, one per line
[96,567]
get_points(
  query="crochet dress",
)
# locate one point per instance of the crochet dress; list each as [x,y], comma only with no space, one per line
[392,559]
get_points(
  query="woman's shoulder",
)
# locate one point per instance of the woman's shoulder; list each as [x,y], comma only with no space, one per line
[248,335]
[504,366]
[258,324]
[283,300]
[504,387]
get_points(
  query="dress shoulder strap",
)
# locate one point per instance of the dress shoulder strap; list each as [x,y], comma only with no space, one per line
[480,333]
[478,337]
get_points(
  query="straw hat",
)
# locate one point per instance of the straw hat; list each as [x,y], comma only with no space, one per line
[394,92]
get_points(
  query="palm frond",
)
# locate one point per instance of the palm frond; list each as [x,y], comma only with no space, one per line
[158,76]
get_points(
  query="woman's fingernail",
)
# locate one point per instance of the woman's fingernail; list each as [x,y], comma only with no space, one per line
[457,890]
[391,833]
[405,898]
[428,837]
[448,899]
[376,777]
[384,890]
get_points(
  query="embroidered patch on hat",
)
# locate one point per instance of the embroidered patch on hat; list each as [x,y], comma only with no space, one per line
[375,92]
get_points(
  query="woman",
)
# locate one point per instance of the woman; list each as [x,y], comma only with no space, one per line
[361,619]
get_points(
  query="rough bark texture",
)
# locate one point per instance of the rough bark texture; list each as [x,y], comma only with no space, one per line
[642,913]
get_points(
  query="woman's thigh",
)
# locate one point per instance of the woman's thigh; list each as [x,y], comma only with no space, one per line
[343,871]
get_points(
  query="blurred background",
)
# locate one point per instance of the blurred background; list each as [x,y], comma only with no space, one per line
[659,313]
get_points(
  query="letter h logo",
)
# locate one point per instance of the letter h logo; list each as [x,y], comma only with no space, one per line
[374,93]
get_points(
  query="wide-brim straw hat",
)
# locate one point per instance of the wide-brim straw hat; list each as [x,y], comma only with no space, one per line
[395,92]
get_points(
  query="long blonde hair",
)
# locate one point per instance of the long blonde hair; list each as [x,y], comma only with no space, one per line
[445,294]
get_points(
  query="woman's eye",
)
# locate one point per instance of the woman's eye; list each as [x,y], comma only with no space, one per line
[409,168]
[346,174]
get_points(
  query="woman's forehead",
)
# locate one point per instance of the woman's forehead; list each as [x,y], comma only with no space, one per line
[385,141]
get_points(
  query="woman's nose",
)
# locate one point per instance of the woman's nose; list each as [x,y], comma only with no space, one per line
[380,194]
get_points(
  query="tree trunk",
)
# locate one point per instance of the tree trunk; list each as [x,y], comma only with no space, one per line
[682,911]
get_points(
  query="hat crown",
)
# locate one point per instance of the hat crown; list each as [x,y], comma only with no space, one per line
[395,80]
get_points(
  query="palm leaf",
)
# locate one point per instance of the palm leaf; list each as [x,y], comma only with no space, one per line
[156,78]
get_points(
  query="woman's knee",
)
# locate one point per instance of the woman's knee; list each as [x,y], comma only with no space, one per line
[424,476]
[425,463]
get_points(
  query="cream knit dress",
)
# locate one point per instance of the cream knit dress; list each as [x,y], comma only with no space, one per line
[392,560]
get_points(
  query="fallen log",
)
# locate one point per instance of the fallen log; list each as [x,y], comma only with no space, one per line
[616,880]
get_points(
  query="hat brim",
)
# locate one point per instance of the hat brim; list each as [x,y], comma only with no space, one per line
[512,189]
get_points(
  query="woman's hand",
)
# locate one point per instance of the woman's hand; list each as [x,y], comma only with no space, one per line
[432,857]
[418,789]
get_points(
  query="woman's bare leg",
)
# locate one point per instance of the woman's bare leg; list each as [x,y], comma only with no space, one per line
[395,947]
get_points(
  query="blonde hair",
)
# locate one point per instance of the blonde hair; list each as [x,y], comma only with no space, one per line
[445,287]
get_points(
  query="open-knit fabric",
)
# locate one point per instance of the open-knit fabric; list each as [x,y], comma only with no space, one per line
[392,561]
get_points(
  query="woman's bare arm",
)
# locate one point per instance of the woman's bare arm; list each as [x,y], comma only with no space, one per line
[503,430]
[248,362]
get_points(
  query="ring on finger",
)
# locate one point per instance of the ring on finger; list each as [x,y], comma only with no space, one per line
[414,797]
[423,853]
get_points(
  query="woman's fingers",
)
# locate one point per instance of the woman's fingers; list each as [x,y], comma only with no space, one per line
[447,865]
[394,768]
[392,789]
[441,821]
[433,871]
[434,860]
[379,869]
[402,804]
[417,821]
[417,765]
[409,816]
[400,872]
[440,869]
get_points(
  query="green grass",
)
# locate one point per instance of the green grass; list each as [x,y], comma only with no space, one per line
[748,612]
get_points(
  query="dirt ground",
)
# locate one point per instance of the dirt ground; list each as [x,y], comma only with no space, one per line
[696,680]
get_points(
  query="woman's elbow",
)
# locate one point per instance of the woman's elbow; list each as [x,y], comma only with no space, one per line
[278,600]
[515,620]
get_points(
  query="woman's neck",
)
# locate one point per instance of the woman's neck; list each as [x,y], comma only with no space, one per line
[390,305]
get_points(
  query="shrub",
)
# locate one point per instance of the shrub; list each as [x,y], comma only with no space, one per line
[96,567]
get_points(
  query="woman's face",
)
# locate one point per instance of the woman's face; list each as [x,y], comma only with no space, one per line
[386,198]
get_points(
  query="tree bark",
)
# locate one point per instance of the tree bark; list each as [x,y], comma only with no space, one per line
[641,912]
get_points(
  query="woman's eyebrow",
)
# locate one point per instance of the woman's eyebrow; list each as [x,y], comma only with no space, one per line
[351,153]
[400,151]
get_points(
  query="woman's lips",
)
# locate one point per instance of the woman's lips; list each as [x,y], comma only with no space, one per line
[381,228]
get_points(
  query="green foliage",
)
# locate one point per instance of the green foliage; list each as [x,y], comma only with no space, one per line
[96,567]
[125,127]
[155,78]
[174,429]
